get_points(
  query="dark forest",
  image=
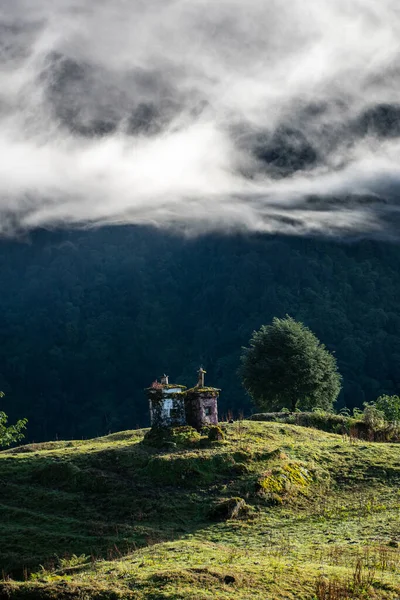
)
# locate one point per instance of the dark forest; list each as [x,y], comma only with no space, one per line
[89,318]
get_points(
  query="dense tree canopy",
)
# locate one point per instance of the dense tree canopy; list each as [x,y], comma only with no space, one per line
[286,366]
[89,318]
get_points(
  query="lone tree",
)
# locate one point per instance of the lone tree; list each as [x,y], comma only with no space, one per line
[286,366]
[9,434]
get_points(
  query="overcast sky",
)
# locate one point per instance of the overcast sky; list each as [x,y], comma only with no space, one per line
[261,115]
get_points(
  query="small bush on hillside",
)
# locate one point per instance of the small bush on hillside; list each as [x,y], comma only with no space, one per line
[10,434]
[390,408]
[378,427]
[74,561]
[373,417]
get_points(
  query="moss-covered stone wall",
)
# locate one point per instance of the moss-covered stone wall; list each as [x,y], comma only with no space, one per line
[167,408]
[201,407]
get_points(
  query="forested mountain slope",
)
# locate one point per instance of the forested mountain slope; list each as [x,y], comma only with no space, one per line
[90,318]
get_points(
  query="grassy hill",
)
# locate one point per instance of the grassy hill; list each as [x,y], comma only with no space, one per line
[274,511]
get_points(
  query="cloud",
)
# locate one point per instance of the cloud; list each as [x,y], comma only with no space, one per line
[266,116]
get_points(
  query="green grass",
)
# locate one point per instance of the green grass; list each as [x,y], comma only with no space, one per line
[114,518]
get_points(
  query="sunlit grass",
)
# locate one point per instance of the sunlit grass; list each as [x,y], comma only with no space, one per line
[110,517]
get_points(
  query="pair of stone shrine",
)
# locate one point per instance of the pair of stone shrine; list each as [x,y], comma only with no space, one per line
[173,405]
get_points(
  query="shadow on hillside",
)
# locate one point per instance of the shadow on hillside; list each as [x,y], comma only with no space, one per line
[60,499]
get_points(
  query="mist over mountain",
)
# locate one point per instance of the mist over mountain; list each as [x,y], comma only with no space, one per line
[261,116]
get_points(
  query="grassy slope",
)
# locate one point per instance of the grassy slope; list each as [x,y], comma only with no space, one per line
[323,512]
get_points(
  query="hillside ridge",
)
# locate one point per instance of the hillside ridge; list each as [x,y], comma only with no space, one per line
[272,511]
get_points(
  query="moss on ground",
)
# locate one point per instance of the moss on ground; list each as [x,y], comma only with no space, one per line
[313,515]
[171,437]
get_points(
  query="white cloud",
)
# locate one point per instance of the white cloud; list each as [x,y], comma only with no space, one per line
[155,112]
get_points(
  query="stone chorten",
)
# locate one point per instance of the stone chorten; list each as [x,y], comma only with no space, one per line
[166,403]
[201,404]
[171,405]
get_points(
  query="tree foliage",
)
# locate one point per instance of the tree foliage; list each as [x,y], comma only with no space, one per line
[286,366]
[389,407]
[11,433]
[372,416]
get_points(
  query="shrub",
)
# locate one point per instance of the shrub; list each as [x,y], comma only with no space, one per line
[390,407]
[10,434]
[373,417]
